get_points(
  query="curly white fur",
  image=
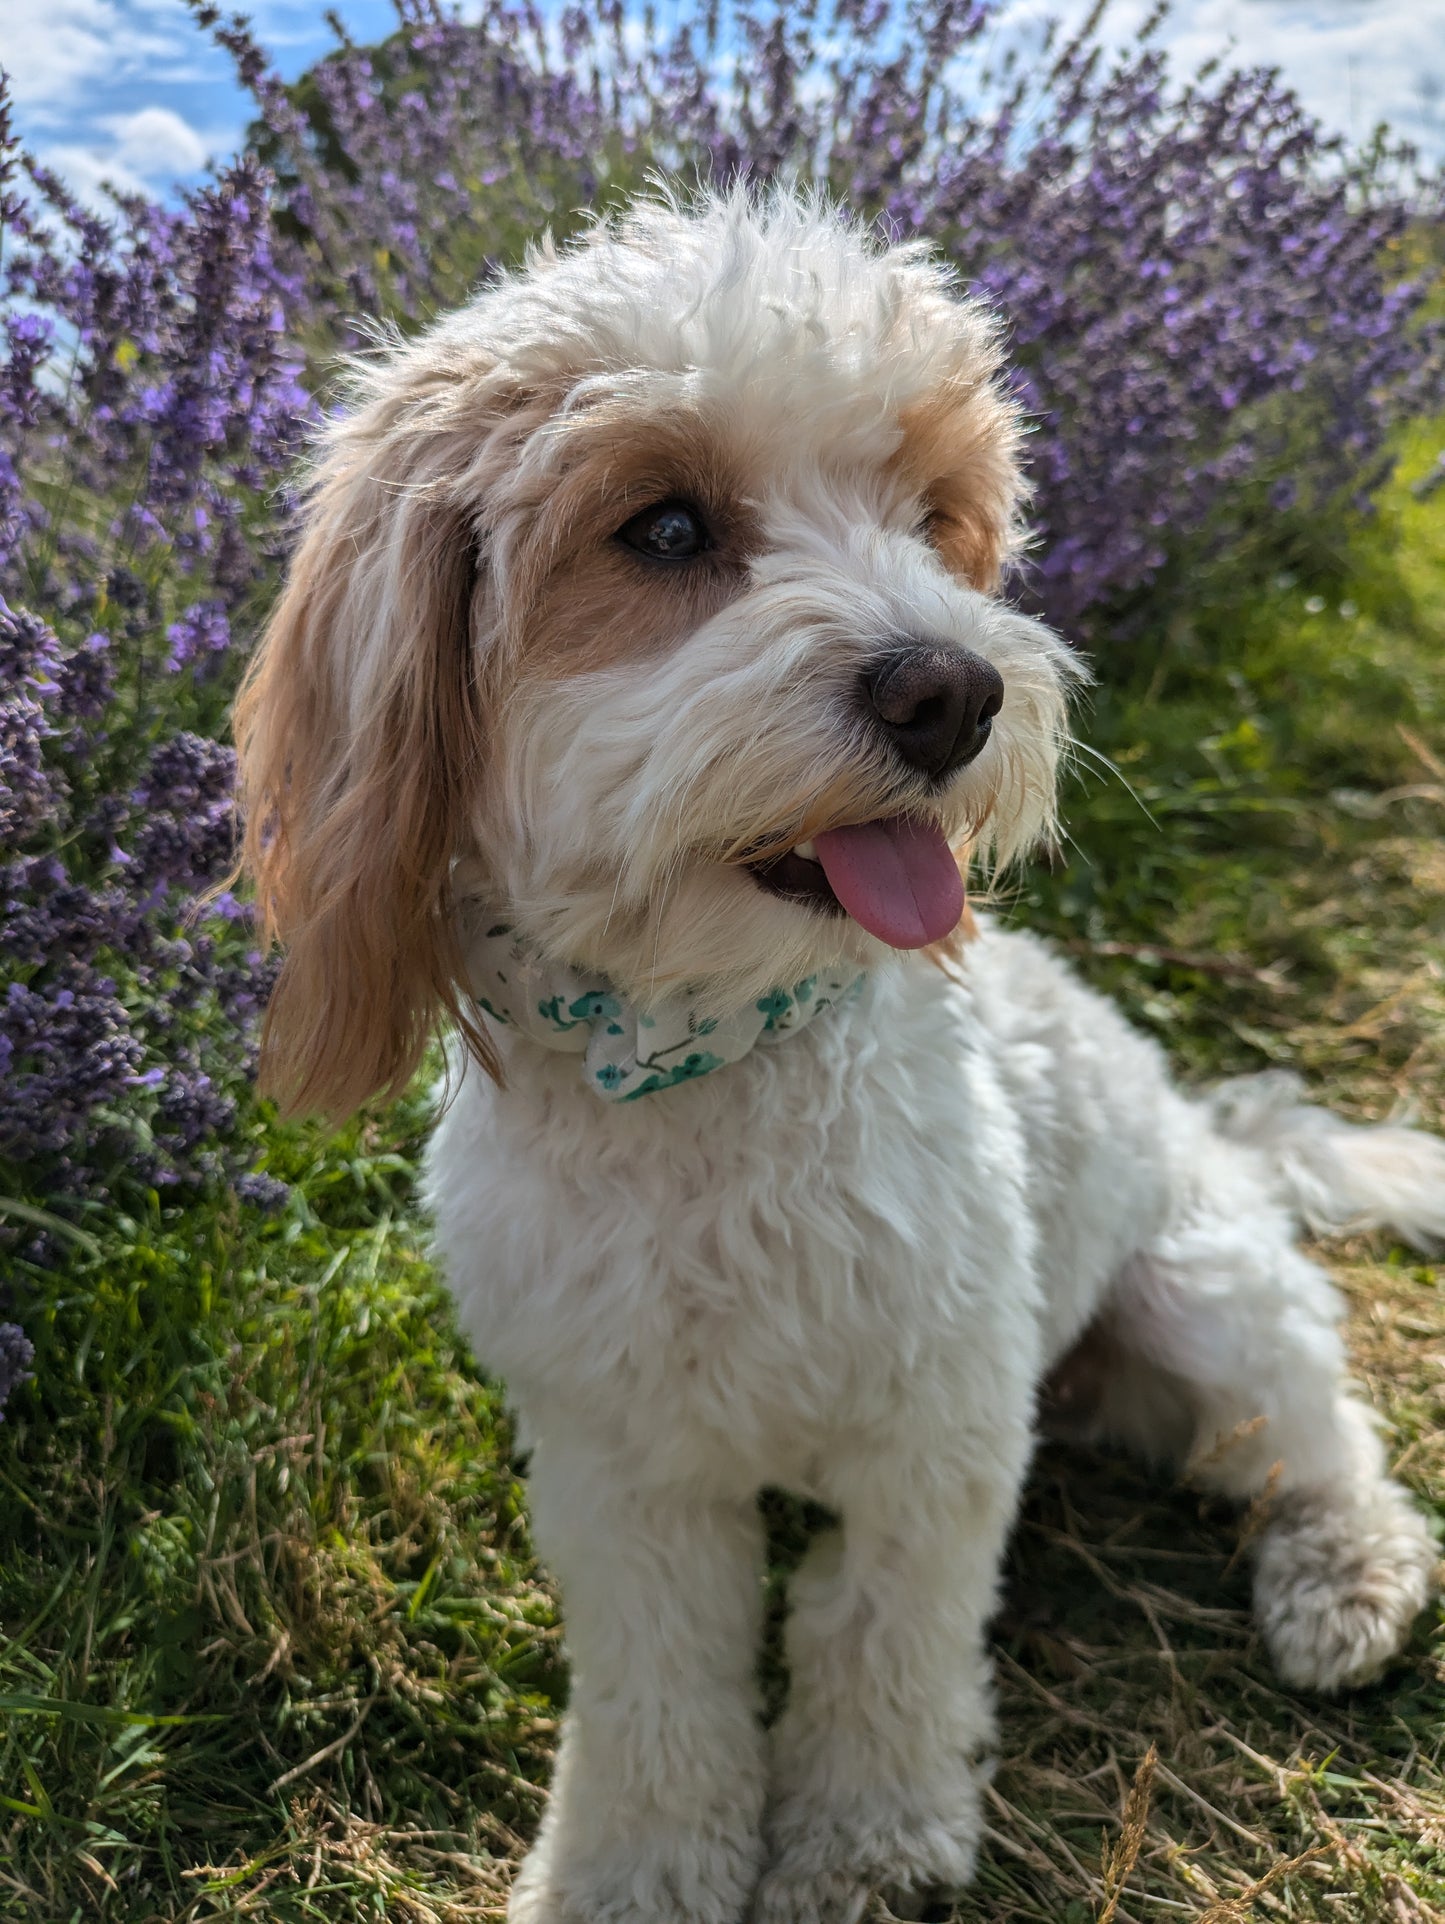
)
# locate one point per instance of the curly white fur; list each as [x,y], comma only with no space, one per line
[846,1264]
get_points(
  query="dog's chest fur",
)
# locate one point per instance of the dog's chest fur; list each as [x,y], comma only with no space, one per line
[865,1227]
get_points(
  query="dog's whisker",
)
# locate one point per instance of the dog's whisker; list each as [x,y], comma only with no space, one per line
[1112,768]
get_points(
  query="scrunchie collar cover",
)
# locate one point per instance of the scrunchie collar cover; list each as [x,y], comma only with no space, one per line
[625,1053]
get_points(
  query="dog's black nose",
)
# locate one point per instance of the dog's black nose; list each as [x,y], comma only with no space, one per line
[935,705]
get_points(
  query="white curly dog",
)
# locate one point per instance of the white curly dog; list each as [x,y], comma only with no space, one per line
[640,666]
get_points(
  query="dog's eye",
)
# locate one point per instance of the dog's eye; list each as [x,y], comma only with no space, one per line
[672,531]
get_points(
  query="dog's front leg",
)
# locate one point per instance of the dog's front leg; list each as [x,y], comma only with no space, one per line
[878,1757]
[657,1794]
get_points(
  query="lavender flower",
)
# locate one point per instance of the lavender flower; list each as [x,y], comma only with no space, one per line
[17,1352]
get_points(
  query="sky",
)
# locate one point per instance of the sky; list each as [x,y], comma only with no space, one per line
[130,91]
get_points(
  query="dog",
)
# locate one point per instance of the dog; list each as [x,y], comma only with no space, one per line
[641,666]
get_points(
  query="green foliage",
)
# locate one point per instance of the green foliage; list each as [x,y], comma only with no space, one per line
[265,1559]
[1272,811]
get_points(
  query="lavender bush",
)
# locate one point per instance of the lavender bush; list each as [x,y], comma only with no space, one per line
[1212,325]
[1206,297]
[148,400]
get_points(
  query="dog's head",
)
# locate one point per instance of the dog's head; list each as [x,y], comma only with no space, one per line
[651,599]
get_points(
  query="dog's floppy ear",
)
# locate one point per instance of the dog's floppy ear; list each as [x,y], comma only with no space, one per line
[360,730]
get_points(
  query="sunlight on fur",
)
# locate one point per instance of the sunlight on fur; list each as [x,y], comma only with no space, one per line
[643,657]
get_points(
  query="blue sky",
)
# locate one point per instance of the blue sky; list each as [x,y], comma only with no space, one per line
[132,91]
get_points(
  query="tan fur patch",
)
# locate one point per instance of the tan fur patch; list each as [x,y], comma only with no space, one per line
[582,600]
[959,455]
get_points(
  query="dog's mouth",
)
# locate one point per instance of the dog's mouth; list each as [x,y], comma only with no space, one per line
[897,877]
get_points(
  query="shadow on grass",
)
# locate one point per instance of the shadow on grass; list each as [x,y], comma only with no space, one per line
[1125,1624]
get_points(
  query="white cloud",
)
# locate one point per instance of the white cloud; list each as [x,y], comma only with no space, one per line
[159,138]
[88,171]
[118,92]
[1353,62]
[58,51]
[140,152]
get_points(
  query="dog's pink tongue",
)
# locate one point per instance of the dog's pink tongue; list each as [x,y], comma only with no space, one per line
[897,877]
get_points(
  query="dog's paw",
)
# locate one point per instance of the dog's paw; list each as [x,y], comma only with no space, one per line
[1337,1587]
[826,1869]
[794,1895]
[676,1879]
[840,1895]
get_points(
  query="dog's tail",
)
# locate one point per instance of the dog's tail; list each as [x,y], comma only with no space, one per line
[1335,1175]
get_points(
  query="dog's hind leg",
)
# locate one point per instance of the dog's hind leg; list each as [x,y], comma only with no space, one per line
[1219,1352]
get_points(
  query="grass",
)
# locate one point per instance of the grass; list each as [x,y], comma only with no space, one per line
[275,1646]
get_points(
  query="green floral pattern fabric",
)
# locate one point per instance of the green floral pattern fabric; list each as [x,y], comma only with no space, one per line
[625,1053]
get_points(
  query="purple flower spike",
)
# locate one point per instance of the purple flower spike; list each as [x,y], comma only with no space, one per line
[17,1352]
